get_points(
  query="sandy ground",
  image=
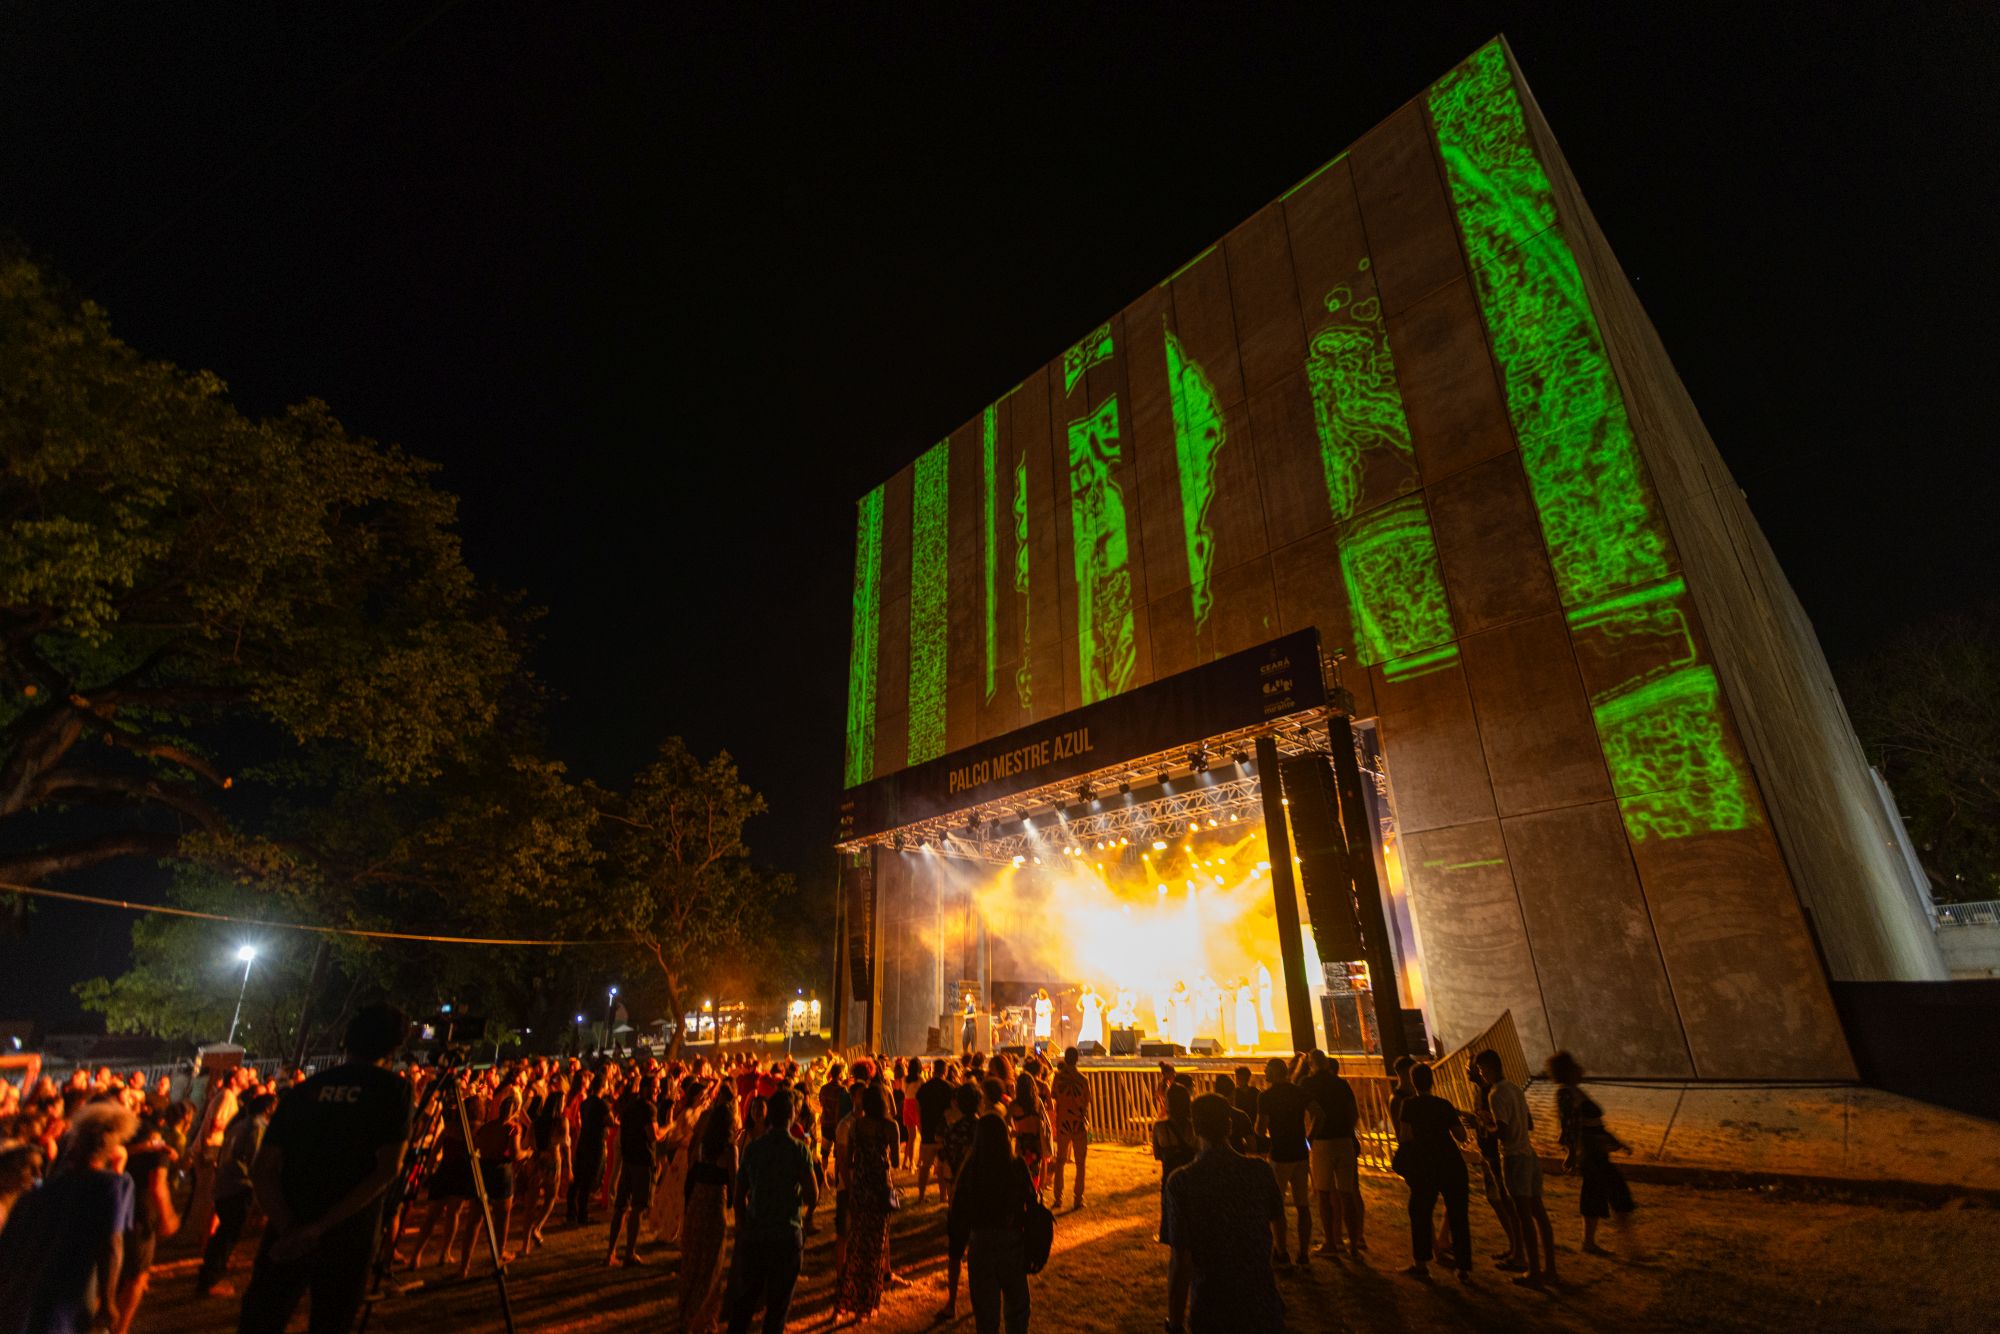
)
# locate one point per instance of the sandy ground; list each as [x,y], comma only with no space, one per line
[1698,1259]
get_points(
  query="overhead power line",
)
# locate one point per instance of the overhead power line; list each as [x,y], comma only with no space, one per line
[166,910]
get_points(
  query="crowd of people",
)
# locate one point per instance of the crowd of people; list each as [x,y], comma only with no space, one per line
[641,1152]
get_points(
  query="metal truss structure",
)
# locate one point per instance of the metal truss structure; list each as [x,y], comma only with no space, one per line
[1209,783]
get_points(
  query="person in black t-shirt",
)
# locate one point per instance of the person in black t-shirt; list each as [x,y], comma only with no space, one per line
[333,1146]
[933,1096]
[639,1136]
[1242,1129]
[1336,1152]
[593,1126]
[1281,1117]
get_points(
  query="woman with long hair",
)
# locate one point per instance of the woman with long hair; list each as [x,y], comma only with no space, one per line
[552,1166]
[988,1204]
[711,1177]
[864,1165]
[1174,1144]
[1031,1132]
[501,1142]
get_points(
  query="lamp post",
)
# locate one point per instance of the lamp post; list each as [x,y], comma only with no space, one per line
[247,953]
[610,1018]
[578,1035]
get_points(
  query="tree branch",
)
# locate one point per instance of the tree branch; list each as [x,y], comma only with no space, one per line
[140,791]
[25,868]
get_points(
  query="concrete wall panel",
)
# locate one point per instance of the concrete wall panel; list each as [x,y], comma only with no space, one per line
[1534,722]
[1475,945]
[1450,394]
[1264,293]
[1490,545]
[1606,991]
[1403,205]
[1431,744]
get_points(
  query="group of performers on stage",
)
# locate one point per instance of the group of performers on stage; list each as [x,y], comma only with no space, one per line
[1235,1015]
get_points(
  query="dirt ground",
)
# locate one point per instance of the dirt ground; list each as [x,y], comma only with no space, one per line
[1698,1259]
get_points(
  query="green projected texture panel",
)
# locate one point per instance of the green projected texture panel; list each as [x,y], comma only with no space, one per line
[1107,648]
[1357,407]
[1200,432]
[1661,729]
[1597,510]
[989,509]
[1024,676]
[1394,586]
[930,555]
[1093,350]
[861,655]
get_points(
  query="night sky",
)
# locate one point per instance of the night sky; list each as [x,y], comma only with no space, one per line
[664,294]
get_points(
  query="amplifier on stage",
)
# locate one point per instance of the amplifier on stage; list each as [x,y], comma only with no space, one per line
[1206,1047]
[1124,1042]
[1154,1051]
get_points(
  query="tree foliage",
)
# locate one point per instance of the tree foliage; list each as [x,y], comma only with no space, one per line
[184,592]
[680,882]
[1926,705]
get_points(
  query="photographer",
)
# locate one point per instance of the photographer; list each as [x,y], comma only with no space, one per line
[332,1148]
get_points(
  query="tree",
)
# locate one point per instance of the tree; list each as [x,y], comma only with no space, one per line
[680,883]
[1926,705]
[495,848]
[187,595]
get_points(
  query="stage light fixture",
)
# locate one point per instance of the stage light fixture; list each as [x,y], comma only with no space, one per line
[896,843]
[1241,757]
[1198,761]
[1124,787]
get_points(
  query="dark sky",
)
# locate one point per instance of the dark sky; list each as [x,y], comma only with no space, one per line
[665,293]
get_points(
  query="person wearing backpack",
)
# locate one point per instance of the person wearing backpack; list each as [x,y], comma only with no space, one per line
[990,1207]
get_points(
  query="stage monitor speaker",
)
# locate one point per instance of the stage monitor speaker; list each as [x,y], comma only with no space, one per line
[1016,1052]
[1090,1049]
[1153,1051]
[1124,1042]
[1206,1047]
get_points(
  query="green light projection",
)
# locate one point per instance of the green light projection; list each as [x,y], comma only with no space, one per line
[1094,349]
[1200,432]
[1024,675]
[1107,648]
[989,449]
[1357,408]
[930,555]
[1661,728]
[1597,510]
[1395,589]
[861,655]
[1662,731]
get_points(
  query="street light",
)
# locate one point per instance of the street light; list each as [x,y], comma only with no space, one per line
[247,954]
[611,1018]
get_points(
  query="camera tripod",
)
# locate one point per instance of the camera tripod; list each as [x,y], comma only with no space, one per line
[444,1097]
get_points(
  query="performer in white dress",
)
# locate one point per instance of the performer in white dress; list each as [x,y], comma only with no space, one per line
[1246,1016]
[1092,1006]
[1045,1017]
[1186,1016]
[1264,1015]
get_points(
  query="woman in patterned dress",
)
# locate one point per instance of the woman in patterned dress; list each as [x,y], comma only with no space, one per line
[711,1177]
[864,1166]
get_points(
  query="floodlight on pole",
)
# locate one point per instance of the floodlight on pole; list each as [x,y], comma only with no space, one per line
[248,954]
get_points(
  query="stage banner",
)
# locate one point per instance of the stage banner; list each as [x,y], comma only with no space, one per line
[1258,685]
[857,889]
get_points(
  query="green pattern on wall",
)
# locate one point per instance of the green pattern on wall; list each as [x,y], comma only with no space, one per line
[930,555]
[860,765]
[989,508]
[1395,589]
[1091,351]
[1598,512]
[1107,648]
[1200,432]
[1662,729]
[1357,408]
[1024,675]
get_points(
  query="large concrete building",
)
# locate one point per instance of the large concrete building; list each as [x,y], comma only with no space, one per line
[1414,405]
